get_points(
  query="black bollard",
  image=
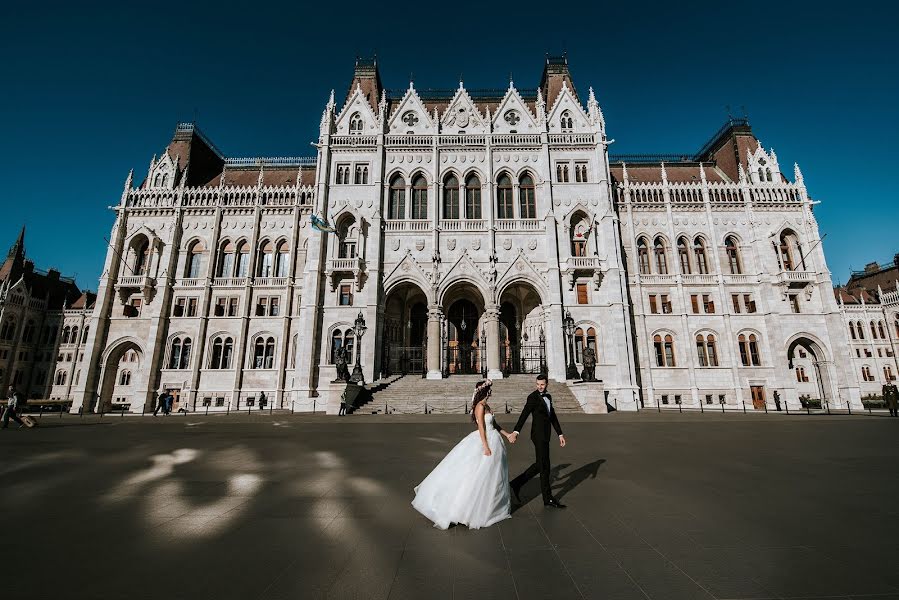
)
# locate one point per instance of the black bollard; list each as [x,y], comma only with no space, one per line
[849,407]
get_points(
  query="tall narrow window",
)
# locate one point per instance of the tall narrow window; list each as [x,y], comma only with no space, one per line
[194,260]
[336,345]
[226,260]
[397,205]
[356,124]
[873,331]
[661,259]
[702,263]
[504,197]
[175,353]
[643,256]
[749,350]
[215,361]
[473,198]
[527,203]
[227,352]
[451,198]
[266,266]
[282,261]
[860,330]
[683,255]
[243,260]
[142,258]
[664,350]
[579,345]
[733,255]
[419,198]
[582,293]
[851,331]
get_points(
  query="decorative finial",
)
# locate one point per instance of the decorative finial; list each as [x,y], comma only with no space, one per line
[797,174]
[664,174]
[702,172]
[742,173]
[624,173]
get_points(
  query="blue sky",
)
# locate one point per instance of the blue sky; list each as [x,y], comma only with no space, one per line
[90,91]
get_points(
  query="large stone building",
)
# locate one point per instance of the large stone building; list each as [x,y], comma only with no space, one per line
[34,312]
[869,303]
[469,225]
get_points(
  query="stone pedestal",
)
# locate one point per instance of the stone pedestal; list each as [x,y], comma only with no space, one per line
[590,395]
[329,396]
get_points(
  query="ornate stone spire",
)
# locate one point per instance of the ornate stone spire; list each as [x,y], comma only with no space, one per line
[702,172]
[797,174]
[624,173]
[742,172]
[664,175]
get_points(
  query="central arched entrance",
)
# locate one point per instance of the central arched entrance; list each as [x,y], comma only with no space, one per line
[122,383]
[464,332]
[521,336]
[405,339]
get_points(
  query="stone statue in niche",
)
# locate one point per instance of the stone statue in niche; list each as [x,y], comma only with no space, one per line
[589,372]
[343,372]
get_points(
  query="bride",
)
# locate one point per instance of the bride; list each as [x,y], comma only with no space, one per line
[470,486]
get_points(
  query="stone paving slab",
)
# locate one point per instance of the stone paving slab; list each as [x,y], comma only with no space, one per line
[661,506]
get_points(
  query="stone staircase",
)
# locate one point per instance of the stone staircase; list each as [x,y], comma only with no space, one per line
[413,395]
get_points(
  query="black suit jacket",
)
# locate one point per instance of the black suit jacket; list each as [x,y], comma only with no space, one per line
[542,419]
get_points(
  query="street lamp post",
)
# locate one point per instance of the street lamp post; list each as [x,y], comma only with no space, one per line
[359,329]
[568,328]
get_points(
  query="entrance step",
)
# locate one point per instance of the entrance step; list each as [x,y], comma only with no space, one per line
[412,394]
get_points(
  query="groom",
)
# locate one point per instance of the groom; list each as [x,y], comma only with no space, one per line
[540,405]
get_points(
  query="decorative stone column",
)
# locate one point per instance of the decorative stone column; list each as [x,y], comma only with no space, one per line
[491,318]
[434,318]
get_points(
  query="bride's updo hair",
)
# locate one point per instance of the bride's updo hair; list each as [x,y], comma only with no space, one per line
[481,391]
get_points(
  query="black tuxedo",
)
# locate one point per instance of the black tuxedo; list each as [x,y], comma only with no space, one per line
[540,434]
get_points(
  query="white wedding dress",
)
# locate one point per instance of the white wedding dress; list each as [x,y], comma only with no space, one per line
[467,487]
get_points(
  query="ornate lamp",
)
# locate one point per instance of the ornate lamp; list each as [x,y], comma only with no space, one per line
[359,329]
[568,328]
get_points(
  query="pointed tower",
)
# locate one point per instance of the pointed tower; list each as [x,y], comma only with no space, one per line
[14,265]
[367,77]
[555,73]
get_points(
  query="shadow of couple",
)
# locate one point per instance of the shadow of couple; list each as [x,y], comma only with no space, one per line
[560,483]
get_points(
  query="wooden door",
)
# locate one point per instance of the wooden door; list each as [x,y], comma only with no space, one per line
[176,398]
[758,397]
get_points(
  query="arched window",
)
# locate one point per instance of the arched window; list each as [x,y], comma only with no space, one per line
[566,122]
[222,351]
[346,239]
[60,378]
[661,256]
[801,377]
[896,324]
[873,331]
[266,266]
[165,179]
[451,198]
[179,356]
[851,331]
[768,175]
[336,344]
[504,197]
[527,202]
[87,329]
[888,374]
[881,330]
[226,260]
[749,350]
[157,180]
[282,260]
[419,198]
[473,197]
[706,350]
[194,260]
[702,263]
[125,378]
[643,256]
[860,330]
[733,255]
[243,260]
[866,373]
[683,255]
[578,345]
[349,342]
[264,353]
[664,350]
[66,332]
[790,251]
[355,124]
[397,205]
[141,258]
[72,340]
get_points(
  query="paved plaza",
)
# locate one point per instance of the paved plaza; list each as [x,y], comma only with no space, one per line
[660,506]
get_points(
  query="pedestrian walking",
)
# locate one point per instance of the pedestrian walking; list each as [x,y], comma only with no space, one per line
[169,400]
[777,400]
[342,411]
[891,398]
[160,403]
[12,405]
[262,400]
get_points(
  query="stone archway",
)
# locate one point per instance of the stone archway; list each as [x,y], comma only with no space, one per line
[124,355]
[814,381]
[522,346]
[405,334]
[464,331]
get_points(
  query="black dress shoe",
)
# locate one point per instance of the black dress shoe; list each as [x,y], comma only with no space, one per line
[553,503]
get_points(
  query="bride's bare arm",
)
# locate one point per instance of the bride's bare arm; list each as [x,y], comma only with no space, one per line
[479,415]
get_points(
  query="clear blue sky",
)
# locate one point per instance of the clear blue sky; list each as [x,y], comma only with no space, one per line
[90,91]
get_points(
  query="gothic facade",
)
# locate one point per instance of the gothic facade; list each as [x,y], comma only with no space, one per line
[474,231]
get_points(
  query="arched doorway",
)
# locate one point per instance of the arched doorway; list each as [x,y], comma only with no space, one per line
[464,334]
[122,382]
[521,336]
[810,369]
[405,338]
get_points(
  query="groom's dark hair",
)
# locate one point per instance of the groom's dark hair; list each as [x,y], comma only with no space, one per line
[541,377]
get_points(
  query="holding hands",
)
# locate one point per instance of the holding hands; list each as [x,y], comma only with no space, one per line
[512,437]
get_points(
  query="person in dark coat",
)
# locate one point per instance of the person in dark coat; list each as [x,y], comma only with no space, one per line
[891,398]
[777,400]
[539,406]
[160,404]
[12,407]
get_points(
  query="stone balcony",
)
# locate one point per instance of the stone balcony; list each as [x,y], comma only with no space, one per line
[191,283]
[270,282]
[699,279]
[796,279]
[336,266]
[126,285]
[593,266]
[229,282]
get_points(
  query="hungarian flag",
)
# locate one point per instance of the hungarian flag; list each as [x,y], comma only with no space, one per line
[320,225]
